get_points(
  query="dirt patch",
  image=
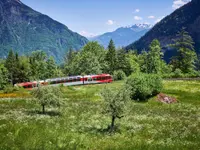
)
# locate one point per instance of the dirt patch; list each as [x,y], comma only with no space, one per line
[166,99]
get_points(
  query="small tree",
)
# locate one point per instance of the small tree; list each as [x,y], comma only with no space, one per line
[47,96]
[115,103]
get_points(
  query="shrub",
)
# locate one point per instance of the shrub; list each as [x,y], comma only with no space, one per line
[178,73]
[119,75]
[192,74]
[144,86]
[10,89]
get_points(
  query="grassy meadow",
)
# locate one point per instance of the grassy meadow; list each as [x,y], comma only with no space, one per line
[80,123]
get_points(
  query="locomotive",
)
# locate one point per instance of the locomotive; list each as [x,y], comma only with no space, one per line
[69,81]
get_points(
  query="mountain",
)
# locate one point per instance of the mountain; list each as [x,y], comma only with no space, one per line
[187,16]
[25,30]
[123,36]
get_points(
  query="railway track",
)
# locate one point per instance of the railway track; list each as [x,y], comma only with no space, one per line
[184,79]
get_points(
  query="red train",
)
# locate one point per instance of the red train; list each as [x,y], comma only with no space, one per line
[67,81]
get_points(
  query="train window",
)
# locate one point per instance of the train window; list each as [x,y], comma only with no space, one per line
[95,79]
[89,79]
[78,79]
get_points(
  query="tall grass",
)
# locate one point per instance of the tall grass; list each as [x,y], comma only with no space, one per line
[81,124]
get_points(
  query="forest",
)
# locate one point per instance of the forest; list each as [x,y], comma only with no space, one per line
[94,59]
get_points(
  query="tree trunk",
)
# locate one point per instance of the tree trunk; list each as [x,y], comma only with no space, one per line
[43,109]
[112,124]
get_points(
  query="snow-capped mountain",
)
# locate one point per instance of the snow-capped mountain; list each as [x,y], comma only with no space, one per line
[123,36]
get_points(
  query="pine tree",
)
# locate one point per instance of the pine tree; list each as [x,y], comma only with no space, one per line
[10,64]
[3,76]
[69,56]
[142,59]
[185,60]
[111,57]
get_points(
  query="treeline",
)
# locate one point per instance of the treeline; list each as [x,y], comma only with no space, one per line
[16,69]
[118,62]
[94,59]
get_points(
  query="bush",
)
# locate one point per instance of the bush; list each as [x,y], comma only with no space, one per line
[119,75]
[192,74]
[178,73]
[10,89]
[144,86]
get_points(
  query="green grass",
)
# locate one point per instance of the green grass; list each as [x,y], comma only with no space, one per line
[81,124]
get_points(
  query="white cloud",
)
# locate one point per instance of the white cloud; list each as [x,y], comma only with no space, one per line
[87,34]
[110,22]
[137,10]
[151,17]
[178,3]
[138,18]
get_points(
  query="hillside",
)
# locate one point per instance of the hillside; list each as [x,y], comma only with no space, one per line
[187,16]
[123,36]
[25,30]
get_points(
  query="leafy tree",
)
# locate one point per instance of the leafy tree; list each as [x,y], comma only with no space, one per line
[132,65]
[52,70]
[121,63]
[38,65]
[90,60]
[154,58]
[89,63]
[115,103]
[23,69]
[111,57]
[185,60]
[3,76]
[47,96]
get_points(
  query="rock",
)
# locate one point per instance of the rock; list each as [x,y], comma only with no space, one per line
[166,99]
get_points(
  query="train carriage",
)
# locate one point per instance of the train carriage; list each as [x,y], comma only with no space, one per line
[69,81]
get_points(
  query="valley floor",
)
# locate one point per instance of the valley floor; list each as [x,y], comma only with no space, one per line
[81,123]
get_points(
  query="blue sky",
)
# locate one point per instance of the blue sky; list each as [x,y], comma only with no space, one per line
[94,17]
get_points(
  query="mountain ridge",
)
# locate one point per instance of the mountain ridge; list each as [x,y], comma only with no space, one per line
[187,16]
[25,30]
[122,36]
